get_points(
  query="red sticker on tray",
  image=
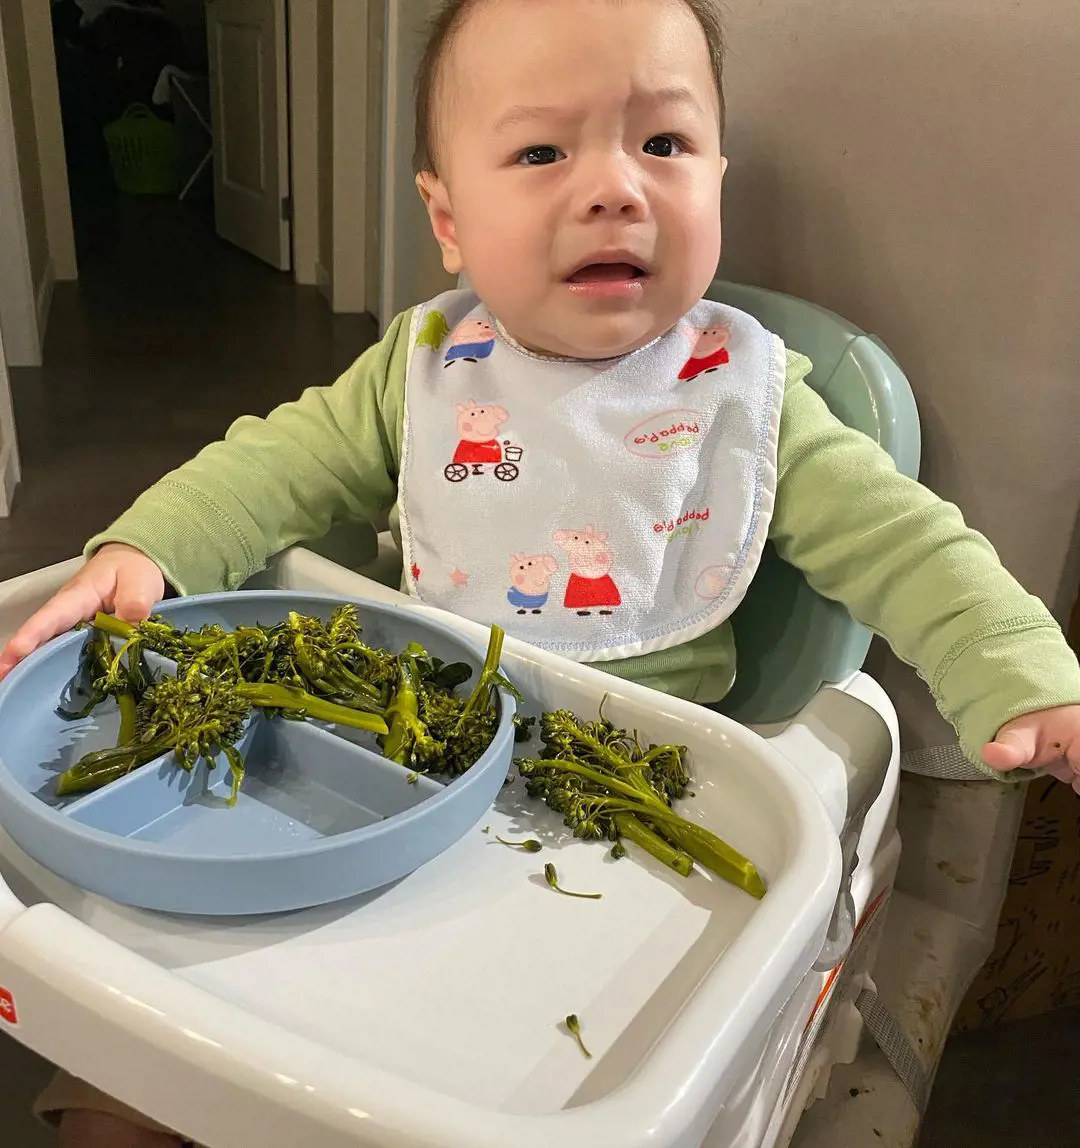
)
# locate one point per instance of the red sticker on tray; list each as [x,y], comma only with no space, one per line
[7,1007]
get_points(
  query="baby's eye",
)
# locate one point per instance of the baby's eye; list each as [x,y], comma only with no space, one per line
[539,156]
[663,147]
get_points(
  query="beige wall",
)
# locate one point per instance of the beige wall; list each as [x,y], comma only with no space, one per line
[326,140]
[349,40]
[915,166]
[25,131]
[41,57]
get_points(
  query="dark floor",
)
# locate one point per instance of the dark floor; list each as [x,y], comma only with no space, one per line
[168,336]
[1017,1086]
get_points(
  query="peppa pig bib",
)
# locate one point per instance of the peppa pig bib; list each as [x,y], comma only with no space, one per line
[599,509]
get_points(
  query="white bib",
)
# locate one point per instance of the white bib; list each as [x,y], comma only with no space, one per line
[597,509]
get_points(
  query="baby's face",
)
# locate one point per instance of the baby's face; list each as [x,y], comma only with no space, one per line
[580,169]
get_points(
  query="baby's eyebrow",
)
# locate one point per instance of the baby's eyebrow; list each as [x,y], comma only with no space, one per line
[676,94]
[658,97]
[527,113]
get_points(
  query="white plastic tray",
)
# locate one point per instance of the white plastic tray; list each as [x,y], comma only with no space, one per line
[429,1015]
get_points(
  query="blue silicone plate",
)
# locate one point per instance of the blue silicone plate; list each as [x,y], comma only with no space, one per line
[320,816]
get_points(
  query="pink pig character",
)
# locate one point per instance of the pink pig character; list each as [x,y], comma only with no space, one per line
[530,581]
[473,339]
[478,428]
[590,585]
[709,353]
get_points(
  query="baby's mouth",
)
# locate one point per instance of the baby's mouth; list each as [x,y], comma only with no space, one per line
[607,273]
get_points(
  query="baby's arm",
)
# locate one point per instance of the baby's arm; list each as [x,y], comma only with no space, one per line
[328,457]
[904,563]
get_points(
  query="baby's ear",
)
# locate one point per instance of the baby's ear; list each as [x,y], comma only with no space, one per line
[436,199]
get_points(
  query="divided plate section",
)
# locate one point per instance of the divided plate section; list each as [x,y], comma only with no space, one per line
[320,816]
[301,784]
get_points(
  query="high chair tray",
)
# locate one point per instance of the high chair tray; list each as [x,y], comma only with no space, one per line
[320,815]
[429,1013]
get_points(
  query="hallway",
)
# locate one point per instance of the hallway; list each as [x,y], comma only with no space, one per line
[168,336]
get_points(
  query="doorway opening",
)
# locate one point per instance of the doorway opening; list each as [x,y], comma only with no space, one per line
[175,125]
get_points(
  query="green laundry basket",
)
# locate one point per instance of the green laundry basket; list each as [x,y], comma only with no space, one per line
[144,153]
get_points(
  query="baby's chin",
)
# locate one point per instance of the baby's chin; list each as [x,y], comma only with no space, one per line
[596,339]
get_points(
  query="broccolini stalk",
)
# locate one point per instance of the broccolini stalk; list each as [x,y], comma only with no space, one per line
[637,831]
[128,709]
[490,678]
[94,770]
[406,729]
[293,700]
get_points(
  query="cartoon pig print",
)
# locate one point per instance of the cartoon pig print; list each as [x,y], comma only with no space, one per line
[590,585]
[478,429]
[530,581]
[710,351]
[473,339]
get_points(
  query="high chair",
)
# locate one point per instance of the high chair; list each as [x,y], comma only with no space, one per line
[311,1028]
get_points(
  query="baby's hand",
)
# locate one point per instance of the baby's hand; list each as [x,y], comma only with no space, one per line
[118,579]
[1047,739]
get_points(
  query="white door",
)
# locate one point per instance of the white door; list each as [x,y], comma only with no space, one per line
[9,449]
[250,114]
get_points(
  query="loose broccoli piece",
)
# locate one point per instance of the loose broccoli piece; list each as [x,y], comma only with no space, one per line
[529,845]
[607,787]
[552,878]
[573,1026]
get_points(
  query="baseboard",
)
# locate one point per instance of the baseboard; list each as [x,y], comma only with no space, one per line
[44,300]
[9,476]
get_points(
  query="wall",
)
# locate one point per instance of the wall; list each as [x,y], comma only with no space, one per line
[914,166]
[348,37]
[52,161]
[411,260]
[20,322]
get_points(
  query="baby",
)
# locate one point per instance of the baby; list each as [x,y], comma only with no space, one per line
[638,443]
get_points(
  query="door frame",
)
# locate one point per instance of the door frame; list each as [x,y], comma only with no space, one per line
[10,467]
[17,296]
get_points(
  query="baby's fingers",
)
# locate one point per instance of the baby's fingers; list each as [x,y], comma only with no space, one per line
[77,602]
[1013,747]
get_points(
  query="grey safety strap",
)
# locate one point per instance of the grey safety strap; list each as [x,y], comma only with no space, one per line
[882,1026]
[946,762]
[896,1047]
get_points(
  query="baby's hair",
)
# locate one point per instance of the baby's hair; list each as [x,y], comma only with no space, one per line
[445,25]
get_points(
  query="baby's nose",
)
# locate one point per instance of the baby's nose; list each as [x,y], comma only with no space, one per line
[611,186]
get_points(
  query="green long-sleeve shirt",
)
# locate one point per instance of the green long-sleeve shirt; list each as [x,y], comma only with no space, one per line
[901,560]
